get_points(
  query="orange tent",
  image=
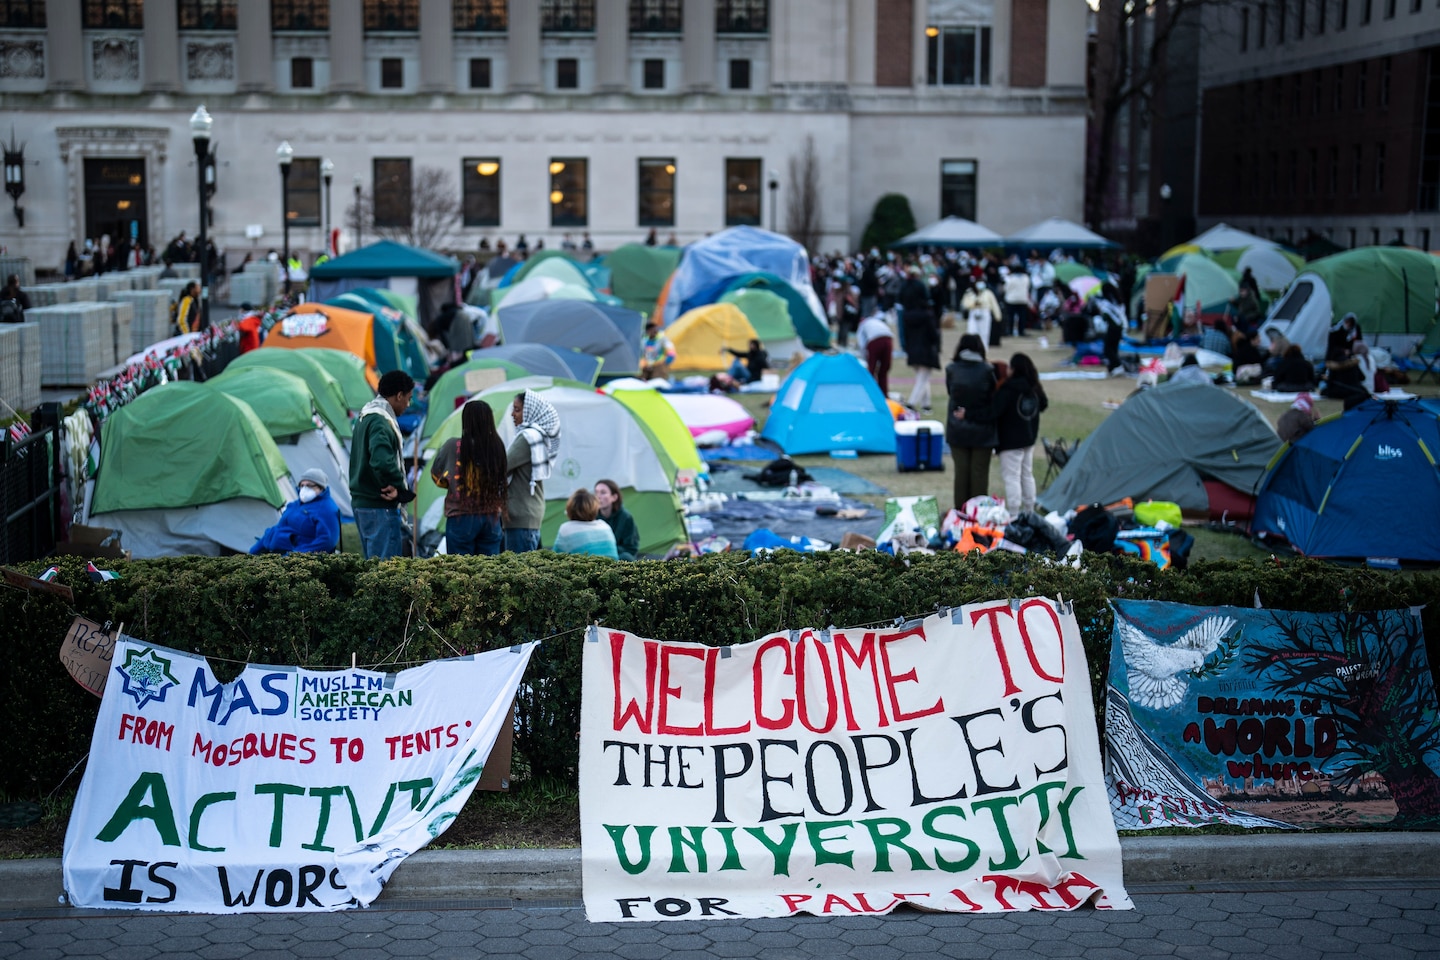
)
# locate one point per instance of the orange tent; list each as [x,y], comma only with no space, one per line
[659,313]
[348,330]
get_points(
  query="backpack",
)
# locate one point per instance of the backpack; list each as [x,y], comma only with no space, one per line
[11,312]
[1095,529]
[777,473]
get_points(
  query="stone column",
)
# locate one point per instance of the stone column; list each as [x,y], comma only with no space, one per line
[698,47]
[347,47]
[437,47]
[1000,44]
[254,53]
[861,28]
[612,46]
[522,51]
[919,45]
[64,46]
[162,48]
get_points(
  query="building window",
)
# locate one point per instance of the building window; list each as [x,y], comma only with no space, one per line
[1292,173]
[1255,174]
[567,16]
[302,73]
[957,56]
[1379,168]
[310,15]
[1425,238]
[1274,173]
[1262,21]
[654,75]
[1389,9]
[742,192]
[207,15]
[1385,84]
[569,192]
[1322,10]
[115,14]
[1365,6]
[1360,85]
[22,13]
[480,184]
[1337,97]
[657,193]
[392,16]
[1415,7]
[481,16]
[303,191]
[1333,183]
[479,73]
[957,188]
[739,74]
[567,73]
[1342,16]
[742,16]
[1295,95]
[1374,236]
[1282,11]
[392,73]
[392,191]
[1244,29]
[1357,163]
[656,16]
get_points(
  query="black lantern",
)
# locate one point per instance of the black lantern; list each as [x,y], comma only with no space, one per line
[284,154]
[15,175]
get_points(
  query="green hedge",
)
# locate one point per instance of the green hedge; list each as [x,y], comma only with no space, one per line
[319,610]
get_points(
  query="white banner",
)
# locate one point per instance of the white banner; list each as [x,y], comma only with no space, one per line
[950,763]
[285,789]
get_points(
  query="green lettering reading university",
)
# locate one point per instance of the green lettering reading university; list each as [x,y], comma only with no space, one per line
[133,808]
[894,836]
[779,849]
[617,837]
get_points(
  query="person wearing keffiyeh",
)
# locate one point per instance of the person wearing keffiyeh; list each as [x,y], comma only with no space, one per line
[530,461]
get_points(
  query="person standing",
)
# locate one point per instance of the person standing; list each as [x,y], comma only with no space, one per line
[970,381]
[1017,300]
[613,512]
[528,465]
[877,344]
[922,337]
[472,471]
[377,474]
[187,311]
[982,313]
[657,353]
[1015,412]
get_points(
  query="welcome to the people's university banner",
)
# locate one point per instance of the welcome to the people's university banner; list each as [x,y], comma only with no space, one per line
[1270,718]
[285,789]
[949,763]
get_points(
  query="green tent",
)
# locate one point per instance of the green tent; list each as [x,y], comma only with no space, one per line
[1208,285]
[766,311]
[386,258]
[451,387]
[281,400]
[811,329]
[348,370]
[328,394]
[559,266]
[600,439]
[1391,290]
[652,409]
[184,444]
[638,273]
[1068,270]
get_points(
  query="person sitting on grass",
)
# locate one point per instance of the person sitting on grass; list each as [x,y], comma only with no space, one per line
[612,511]
[584,532]
[749,364]
[310,524]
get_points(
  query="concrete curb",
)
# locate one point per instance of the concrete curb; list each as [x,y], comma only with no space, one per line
[555,874]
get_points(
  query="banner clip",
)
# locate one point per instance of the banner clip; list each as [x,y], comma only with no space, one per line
[824,634]
[592,632]
[726,653]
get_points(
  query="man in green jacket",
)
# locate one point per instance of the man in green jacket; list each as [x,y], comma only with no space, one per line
[377,475]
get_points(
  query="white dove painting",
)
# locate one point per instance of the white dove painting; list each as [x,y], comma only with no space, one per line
[1154,669]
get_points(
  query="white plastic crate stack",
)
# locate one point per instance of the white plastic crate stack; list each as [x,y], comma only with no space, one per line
[152,317]
[143,278]
[76,342]
[20,365]
[49,294]
[107,285]
[251,288]
[174,286]
[21,267]
[82,291]
[122,317]
[187,271]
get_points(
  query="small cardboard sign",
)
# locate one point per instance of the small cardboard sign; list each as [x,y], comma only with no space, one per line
[496,775]
[17,579]
[86,652]
[478,381]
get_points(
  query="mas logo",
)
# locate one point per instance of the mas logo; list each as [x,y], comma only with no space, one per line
[147,676]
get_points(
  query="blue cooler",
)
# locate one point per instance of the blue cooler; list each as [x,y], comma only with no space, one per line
[919,445]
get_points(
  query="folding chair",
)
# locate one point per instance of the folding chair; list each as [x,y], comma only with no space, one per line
[1430,363]
[1057,454]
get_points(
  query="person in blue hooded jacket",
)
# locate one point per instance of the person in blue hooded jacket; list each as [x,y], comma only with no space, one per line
[310,524]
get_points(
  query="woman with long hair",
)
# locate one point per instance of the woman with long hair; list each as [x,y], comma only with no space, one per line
[1015,411]
[970,382]
[472,471]
[613,512]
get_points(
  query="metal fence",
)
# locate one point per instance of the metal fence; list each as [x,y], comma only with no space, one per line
[30,489]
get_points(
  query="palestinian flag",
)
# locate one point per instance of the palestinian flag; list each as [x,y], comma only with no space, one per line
[50,574]
[100,576]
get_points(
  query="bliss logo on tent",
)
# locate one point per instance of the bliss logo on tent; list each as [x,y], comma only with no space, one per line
[1387,452]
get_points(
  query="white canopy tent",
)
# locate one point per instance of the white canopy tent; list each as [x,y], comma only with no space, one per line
[1055,233]
[952,232]
[1222,236]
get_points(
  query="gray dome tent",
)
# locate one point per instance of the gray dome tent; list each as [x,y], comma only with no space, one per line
[1162,444]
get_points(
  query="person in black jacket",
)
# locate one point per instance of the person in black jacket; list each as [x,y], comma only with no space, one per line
[922,337]
[1015,411]
[970,381]
[1295,374]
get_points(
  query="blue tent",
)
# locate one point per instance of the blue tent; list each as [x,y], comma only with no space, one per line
[1362,484]
[830,402]
[543,360]
[611,333]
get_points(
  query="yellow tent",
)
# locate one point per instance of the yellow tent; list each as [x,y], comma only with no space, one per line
[701,336]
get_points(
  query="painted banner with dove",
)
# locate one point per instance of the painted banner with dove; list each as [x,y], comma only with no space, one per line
[1270,718]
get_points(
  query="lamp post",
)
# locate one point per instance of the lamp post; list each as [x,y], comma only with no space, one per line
[357,211]
[774,191]
[15,175]
[327,172]
[200,124]
[284,154]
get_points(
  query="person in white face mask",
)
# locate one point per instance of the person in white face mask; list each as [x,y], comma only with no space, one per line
[310,524]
